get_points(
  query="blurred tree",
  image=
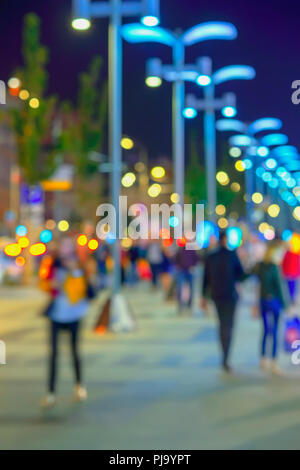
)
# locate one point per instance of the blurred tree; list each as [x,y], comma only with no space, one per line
[84,124]
[32,126]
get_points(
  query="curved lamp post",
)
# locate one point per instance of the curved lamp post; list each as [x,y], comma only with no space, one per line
[115,10]
[209,104]
[247,138]
[179,72]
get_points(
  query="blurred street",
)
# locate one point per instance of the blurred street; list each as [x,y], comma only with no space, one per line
[158,387]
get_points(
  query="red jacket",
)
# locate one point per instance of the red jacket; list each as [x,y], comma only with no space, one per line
[291,265]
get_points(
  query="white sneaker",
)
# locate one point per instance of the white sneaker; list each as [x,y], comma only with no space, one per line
[49,401]
[79,393]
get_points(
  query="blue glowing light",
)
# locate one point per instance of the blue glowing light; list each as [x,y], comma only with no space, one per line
[281,171]
[265,124]
[271,163]
[150,20]
[247,163]
[233,72]
[262,151]
[234,237]
[273,183]
[230,125]
[266,176]
[209,30]
[274,139]
[110,238]
[173,221]
[136,33]
[240,140]
[260,171]
[203,80]
[291,183]
[46,236]
[204,231]
[189,113]
[293,166]
[286,235]
[21,230]
[229,111]
[285,150]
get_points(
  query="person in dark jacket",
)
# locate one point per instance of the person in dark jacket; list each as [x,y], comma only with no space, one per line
[272,300]
[221,273]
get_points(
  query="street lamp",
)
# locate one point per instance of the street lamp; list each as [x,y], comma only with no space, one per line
[248,139]
[209,104]
[177,73]
[115,10]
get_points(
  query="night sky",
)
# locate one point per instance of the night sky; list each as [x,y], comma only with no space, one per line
[268,39]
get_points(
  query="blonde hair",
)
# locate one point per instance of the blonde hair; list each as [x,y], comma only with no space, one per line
[270,254]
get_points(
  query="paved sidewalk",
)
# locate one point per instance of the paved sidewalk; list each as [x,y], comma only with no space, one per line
[158,388]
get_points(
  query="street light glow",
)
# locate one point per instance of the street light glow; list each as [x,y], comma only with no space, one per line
[203,80]
[274,139]
[127,143]
[135,33]
[235,152]
[153,82]
[234,72]
[230,125]
[210,30]
[158,172]
[262,151]
[229,111]
[189,113]
[265,124]
[128,179]
[150,20]
[240,140]
[81,24]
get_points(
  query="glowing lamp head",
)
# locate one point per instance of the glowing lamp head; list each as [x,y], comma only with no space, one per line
[153,82]
[81,24]
[263,151]
[229,111]
[189,113]
[150,20]
[203,80]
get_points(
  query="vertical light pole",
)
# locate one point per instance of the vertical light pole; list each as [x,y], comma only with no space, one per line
[135,33]
[210,105]
[115,10]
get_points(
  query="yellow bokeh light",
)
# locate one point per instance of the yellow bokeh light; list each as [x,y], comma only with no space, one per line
[126,243]
[37,249]
[93,244]
[14,82]
[263,227]
[81,24]
[23,242]
[175,198]
[13,249]
[235,187]
[257,198]
[273,210]
[296,213]
[50,224]
[63,225]
[153,82]
[295,243]
[158,172]
[222,178]
[127,143]
[82,240]
[20,261]
[239,166]
[128,179]
[220,209]
[154,190]
[24,95]
[34,103]
[222,222]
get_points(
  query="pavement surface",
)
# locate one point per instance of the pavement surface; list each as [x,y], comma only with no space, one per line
[159,387]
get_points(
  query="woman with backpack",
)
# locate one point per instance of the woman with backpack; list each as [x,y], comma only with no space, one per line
[69,304]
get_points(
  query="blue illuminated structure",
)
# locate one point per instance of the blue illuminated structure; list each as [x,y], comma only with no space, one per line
[178,73]
[115,10]
[234,237]
[274,139]
[209,104]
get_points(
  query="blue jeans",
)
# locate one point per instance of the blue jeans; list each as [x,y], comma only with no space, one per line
[270,310]
[184,277]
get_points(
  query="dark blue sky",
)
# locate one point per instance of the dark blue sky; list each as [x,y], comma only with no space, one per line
[269,40]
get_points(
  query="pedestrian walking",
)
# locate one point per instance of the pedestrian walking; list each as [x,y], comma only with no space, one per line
[185,261]
[221,273]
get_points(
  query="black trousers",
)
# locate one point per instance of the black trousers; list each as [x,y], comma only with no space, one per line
[73,331]
[225,311]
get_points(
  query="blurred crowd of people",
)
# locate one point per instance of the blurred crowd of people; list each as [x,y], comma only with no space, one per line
[72,276]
